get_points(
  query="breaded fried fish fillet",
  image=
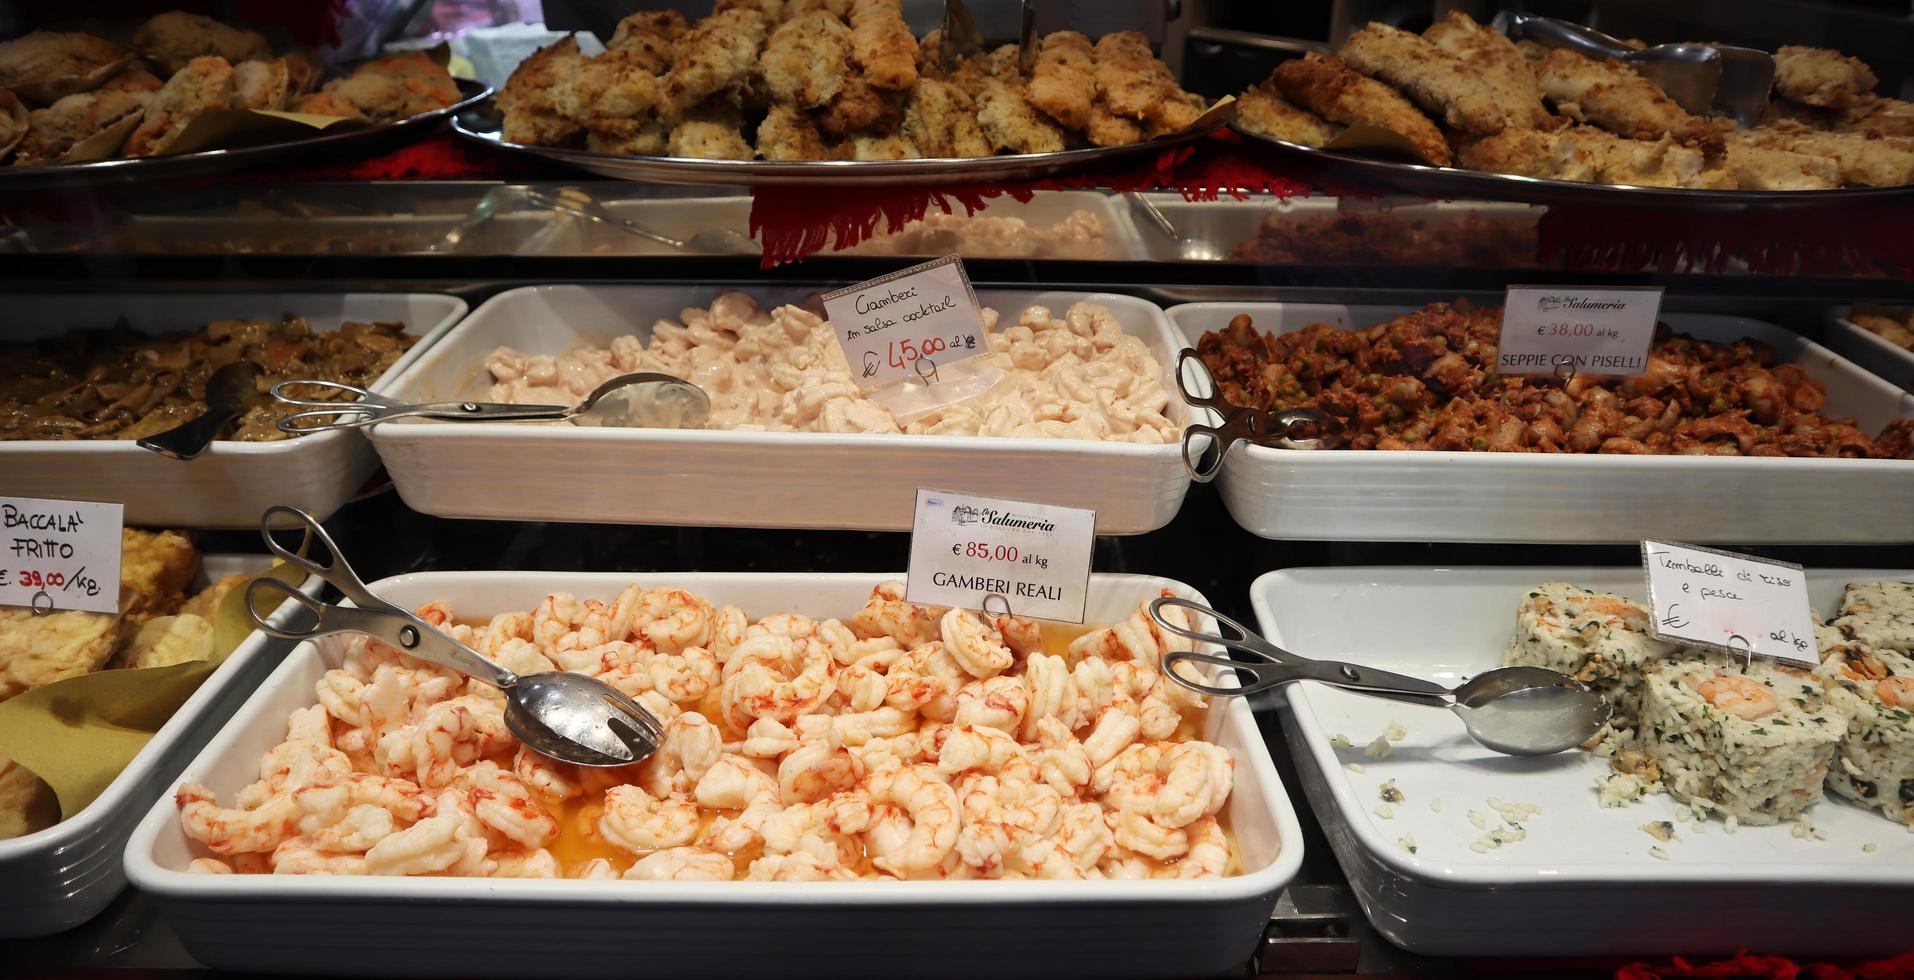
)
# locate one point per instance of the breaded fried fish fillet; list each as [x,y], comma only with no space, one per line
[1434,79]
[1336,92]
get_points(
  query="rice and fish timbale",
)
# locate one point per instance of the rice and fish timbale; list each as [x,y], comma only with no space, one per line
[1752,741]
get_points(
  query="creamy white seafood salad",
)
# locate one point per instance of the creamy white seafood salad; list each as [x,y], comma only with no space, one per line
[1074,375]
[906,742]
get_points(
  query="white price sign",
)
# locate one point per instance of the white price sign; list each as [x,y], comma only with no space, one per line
[1602,331]
[1733,603]
[906,325]
[60,554]
[971,551]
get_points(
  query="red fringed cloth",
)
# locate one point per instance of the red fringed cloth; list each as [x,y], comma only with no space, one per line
[1772,968]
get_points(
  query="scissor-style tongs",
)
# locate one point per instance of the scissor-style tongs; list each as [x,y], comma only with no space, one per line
[366,408]
[1287,429]
[1272,666]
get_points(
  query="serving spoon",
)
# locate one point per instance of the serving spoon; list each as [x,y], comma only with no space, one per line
[565,716]
[231,391]
[643,399]
[1513,710]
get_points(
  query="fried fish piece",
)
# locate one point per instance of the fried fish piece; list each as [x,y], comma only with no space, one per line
[645,38]
[56,130]
[984,67]
[1130,80]
[713,56]
[262,85]
[788,134]
[1591,155]
[612,85]
[27,803]
[1766,168]
[1866,161]
[1261,110]
[155,569]
[1506,76]
[628,137]
[1434,79]
[941,121]
[396,87]
[134,79]
[205,602]
[872,146]
[1877,116]
[1106,128]
[527,100]
[859,106]
[1010,123]
[168,640]
[1617,98]
[710,131]
[1063,81]
[882,44]
[46,66]
[174,38]
[1330,89]
[204,85]
[1821,77]
[38,650]
[807,59]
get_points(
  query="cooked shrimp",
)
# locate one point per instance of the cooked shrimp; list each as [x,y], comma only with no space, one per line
[1743,697]
[235,831]
[1208,855]
[887,613]
[1897,692]
[431,845]
[638,822]
[930,806]
[976,645]
[682,864]
[997,702]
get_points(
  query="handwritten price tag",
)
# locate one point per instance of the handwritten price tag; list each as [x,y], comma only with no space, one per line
[1604,331]
[60,554]
[907,325]
[966,549]
[1734,603]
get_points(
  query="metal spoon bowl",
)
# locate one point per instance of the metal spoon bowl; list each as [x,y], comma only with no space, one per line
[232,391]
[642,399]
[1529,710]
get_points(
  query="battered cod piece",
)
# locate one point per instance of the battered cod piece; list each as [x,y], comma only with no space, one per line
[807,59]
[155,568]
[205,603]
[1762,168]
[1130,81]
[714,56]
[262,85]
[527,100]
[1505,74]
[173,39]
[865,146]
[134,79]
[1009,122]
[941,121]
[1821,77]
[205,84]
[1332,90]
[709,132]
[168,640]
[422,85]
[1617,98]
[1864,161]
[1587,154]
[1063,81]
[645,38]
[788,134]
[27,803]
[858,106]
[1875,116]
[1109,129]
[614,85]
[631,137]
[93,122]
[882,44]
[1260,110]
[45,66]
[1435,79]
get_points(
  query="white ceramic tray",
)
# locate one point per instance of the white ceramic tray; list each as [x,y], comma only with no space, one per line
[65,874]
[1870,350]
[1583,882]
[741,479]
[441,926]
[1344,495]
[232,482]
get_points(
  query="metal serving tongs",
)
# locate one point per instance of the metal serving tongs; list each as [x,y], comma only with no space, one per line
[1513,710]
[1701,78]
[642,399]
[1293,428]
[569,717]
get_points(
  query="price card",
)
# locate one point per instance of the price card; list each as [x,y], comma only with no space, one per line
[57,555]
[907,325]
[966,549]
[1603,331]
[1733,603]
